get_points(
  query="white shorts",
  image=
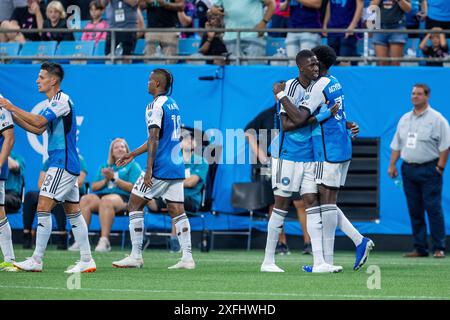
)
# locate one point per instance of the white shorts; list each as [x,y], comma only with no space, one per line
[2,192]
[60,186]
[289,177]
[332,175]
[170,190]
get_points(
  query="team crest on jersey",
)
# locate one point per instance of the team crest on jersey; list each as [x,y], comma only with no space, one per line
[285,181]
[53,104]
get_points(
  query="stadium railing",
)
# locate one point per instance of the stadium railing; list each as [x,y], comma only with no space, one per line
[238,59]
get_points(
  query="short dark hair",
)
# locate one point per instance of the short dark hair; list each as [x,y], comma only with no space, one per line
[303,54]
[169,79]
[54,69]
[326,55]
[425,88]
[97,4]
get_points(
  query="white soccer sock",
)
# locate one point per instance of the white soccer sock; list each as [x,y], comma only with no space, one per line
[80,233]
[136,233]
[6,241]
[346,227]
[274,228]
[43,233]
[183,229]
[329,224]
[314,226]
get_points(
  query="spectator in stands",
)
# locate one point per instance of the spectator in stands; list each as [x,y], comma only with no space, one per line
[437,49]
[201,9]
[56,19]
[422,140]
[121,14]
[111,190]
[438,14]
[246,14]
[7,8]
[195,172]
[30,207]
[212,43]
[280,18]
[413,20]
[392,16]
[163,14]
[343,14]
[96,10]
[28,17]
[188,18]
[303,14]
[15,183]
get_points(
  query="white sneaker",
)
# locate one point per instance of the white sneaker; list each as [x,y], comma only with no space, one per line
[183,265]
[129,262]
[83,267]
[103,245]
[29,265]
[270,267]
[326,268]
[74,247]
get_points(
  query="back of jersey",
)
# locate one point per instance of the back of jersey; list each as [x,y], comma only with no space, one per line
[164,113]
[335,141]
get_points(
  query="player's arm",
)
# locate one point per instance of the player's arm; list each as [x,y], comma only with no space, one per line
[127,158]
[8,143]
[152,146]
[41,179]
[31,122]
[299,117]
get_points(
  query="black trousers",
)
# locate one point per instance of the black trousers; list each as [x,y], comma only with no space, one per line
[423,189]
[30,207]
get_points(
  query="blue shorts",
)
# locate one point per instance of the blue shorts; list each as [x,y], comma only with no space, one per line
[385,39]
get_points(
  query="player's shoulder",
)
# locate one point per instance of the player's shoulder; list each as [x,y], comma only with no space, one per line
[159,102]
[322,81]
[61,98]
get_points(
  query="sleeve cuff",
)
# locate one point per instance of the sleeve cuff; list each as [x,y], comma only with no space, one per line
[6,128]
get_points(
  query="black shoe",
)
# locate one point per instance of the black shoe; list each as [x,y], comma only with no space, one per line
[27,240]
[307,249]
[282,249]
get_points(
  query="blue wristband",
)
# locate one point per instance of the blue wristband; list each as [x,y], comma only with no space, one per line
[323,115]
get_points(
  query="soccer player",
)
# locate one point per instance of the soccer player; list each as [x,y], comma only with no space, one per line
[60,183]
[294,170]
[164,174]
[6,144]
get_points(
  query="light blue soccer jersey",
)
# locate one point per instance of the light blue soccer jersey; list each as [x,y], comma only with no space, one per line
[332,142]
[296,145]
[6,122]
[164,113]
[62,130]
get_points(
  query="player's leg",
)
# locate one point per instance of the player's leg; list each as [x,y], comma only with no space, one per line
[109,205]
[6,245]
[88,203]
[301,215]
[328,208]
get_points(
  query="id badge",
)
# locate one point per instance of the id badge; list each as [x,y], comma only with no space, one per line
[119,15]
[411,142]
[187,173]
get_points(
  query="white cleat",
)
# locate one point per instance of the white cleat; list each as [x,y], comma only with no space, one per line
[29,265]
[129,262]
[327,268]
[183,265]
[270,267]
[83,267]
[103,245]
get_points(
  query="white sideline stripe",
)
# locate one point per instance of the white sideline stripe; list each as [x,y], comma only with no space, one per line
[306,295]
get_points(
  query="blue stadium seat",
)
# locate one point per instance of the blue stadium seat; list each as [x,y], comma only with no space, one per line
[273,44]
[9,49]
[41,48]
[140,47]
[188,46]
[77,35]
[99,51]
[75,49]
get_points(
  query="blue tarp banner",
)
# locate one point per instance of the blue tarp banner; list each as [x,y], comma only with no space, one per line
[110,102]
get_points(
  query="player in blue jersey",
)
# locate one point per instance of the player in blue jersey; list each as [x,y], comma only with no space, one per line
[164,174]
[294,168]
[60,183]
[6,144]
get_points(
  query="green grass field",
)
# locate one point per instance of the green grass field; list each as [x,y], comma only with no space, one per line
[230,275]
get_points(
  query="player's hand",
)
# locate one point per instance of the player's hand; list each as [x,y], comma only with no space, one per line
[5,103]
[354,129]
[278,87]
[334,109]
[148,178]
[126,159]
[392,172]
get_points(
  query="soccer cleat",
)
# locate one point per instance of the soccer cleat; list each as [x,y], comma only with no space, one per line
[183,265]
[83,267]
[362,252]
[129,262]
[272,267]
[103,245]
[74,247]
[8,267]
[323,268]
[307,249]
[29,265]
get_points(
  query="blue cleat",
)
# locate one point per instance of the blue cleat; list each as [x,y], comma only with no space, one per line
[308,269]
[362,252]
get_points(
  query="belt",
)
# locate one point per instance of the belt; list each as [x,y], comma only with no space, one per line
[412,164]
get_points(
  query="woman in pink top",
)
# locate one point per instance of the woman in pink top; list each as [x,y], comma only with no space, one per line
[96,11]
